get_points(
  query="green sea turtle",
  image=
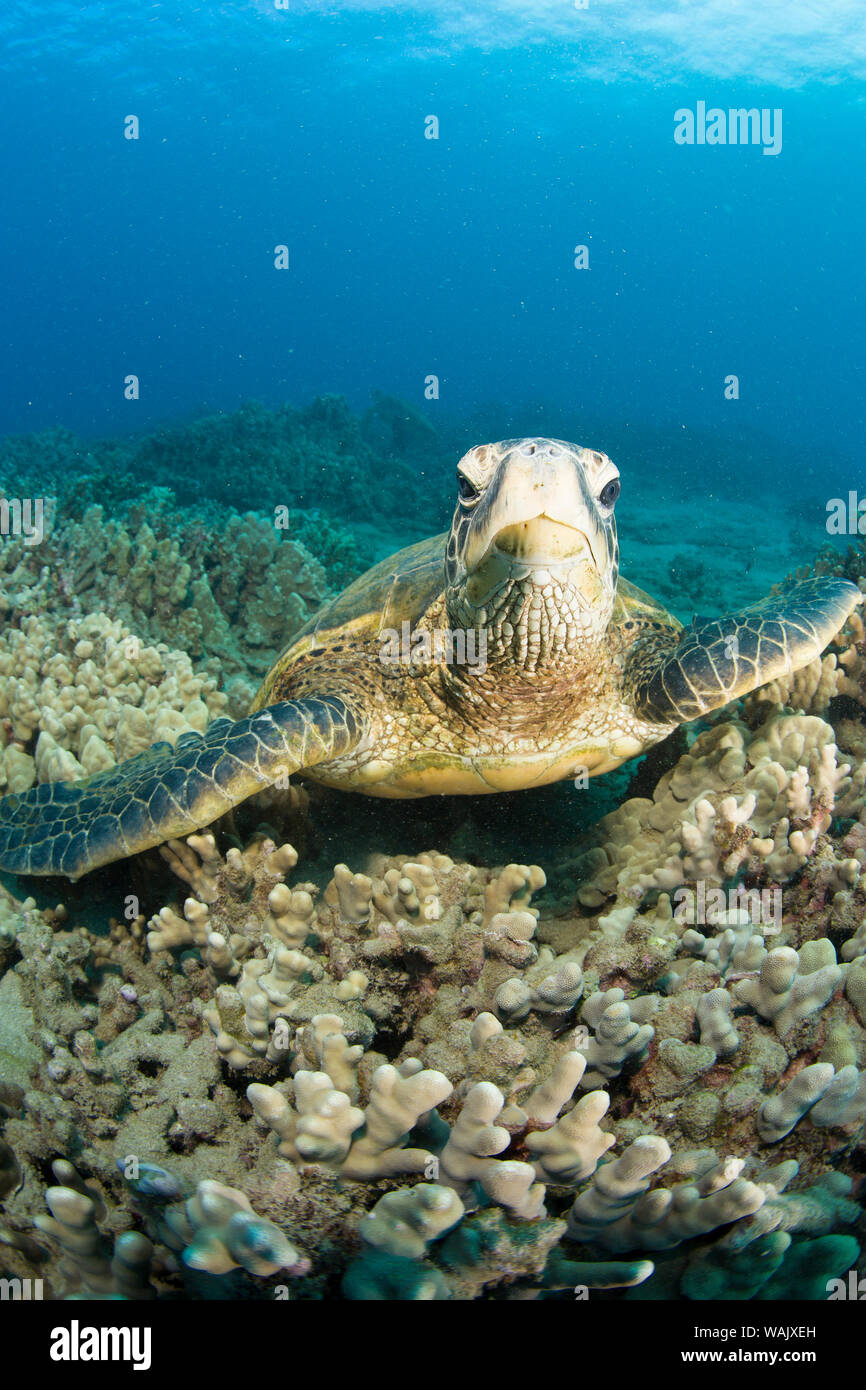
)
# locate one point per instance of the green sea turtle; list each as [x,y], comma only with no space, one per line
[502,655]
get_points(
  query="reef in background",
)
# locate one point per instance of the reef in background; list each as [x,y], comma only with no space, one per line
[321,457]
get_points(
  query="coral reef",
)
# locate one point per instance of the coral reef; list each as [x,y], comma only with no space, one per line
[78,696]
[230,590]
[525,1143]
[317,457]
[739,803]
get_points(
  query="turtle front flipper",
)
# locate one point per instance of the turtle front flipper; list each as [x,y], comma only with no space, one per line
[717,660]
[72,827]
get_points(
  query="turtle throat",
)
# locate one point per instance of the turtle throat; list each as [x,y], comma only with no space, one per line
[533,617]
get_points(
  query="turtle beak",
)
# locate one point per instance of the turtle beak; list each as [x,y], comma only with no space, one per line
[544,550]
[542,541]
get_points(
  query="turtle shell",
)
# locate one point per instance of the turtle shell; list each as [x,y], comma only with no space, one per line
[396,590]
[632,604]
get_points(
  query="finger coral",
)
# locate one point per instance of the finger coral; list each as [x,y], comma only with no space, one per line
[737,803]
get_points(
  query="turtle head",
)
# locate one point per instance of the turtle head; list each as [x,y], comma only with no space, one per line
[532,555]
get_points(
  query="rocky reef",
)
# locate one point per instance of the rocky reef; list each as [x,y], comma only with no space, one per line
[637,1071]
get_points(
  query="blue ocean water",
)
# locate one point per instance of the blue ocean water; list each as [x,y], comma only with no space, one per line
[453,257]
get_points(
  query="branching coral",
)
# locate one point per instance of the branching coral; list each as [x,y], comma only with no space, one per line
[77,696]
[619,1212]
[737,802]
[784,993]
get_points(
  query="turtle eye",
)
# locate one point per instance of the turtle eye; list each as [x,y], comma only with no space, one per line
[609,493]
[468,491]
